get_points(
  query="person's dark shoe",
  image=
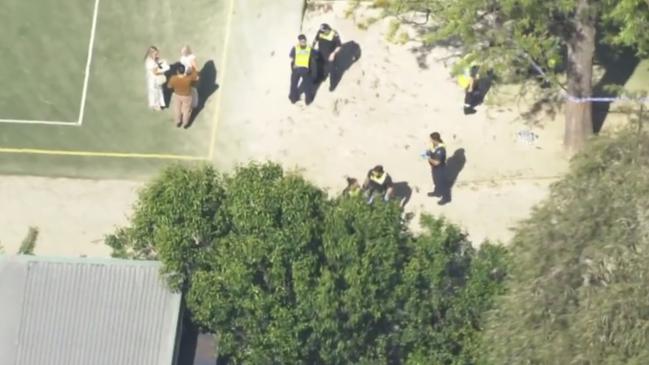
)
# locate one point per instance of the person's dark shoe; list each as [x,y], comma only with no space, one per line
[469,110]
[178,125]
[444,201]
[434,194]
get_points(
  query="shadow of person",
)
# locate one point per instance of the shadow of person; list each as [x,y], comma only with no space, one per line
[454,166]
[402,192]
[206,87]
[484,85]
[349,53]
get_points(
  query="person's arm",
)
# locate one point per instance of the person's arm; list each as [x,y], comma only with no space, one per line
[171,82]
[291,55]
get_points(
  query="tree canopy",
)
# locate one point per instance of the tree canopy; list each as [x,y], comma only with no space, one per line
[281,273]
[578,290]
[558,36]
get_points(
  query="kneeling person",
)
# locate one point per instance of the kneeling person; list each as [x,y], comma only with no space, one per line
[378,181]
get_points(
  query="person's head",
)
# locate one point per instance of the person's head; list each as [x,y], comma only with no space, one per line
[377,170]
[301,39]
[351,182]
[152,52]
[185,51]
[473,71]
[325,28]
[181,69]
[436,139]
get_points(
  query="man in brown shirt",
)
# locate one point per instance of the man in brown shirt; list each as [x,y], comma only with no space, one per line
[181,83]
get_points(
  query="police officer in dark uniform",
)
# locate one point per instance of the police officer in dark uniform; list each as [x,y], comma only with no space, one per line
[303,71]
[328,44]
[437,161]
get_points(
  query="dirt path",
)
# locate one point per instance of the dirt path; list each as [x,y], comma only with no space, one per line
[72,215]
[381,113]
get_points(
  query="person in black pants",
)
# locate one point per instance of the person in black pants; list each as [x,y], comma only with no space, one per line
[328,44]
[437,161]
[303,71]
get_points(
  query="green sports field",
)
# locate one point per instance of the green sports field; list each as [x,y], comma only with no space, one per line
[73,102]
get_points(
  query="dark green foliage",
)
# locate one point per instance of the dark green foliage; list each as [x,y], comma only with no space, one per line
[284,275]
[579,293]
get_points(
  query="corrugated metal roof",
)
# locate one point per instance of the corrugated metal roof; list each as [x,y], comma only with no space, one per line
[83,311]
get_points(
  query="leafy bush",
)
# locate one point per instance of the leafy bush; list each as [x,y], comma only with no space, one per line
[579,293]
[282,274]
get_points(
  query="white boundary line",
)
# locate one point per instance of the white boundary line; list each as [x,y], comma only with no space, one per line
[82,107]
[23,121]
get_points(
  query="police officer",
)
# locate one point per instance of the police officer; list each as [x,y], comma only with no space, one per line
[303,70]
[328,44]
[471,90]
[378,181]
[353,188]
[437,161]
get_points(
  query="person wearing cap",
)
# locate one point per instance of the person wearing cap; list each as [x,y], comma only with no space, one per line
[436,156]
[328,45]
[378,181]
[303,70]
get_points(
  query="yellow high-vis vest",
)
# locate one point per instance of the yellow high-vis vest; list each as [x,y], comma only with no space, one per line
[302,56]
[328,36]
[379,179]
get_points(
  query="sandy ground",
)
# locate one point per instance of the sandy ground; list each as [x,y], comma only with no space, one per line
[381,113]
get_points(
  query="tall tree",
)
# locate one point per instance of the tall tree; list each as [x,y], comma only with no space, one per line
[283,274]
[578,291]
[509,34]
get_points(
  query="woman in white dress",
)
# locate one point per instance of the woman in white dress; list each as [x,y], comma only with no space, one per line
[155,78]
[188,59]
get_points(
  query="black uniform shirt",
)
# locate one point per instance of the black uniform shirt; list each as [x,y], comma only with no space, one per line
[326,47]
[439,154]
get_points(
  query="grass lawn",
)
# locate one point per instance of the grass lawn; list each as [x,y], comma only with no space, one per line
[45,47]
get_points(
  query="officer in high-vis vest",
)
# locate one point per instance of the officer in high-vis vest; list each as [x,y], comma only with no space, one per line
[353,188]
[469,82]
[328,43]
[378,181]
[303,71]
[437,161]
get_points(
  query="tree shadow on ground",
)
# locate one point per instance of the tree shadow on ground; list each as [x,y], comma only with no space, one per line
[402,193]
[206,87]
[454,165]
[188,340]
[619,66]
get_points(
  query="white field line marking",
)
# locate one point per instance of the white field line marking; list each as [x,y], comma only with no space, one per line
[51,122]
[82,108]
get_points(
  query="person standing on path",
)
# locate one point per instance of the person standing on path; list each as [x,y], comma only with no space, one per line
[303,70]
[181,83]
[437,161]
[328,45]
[155,78]
[188,59]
